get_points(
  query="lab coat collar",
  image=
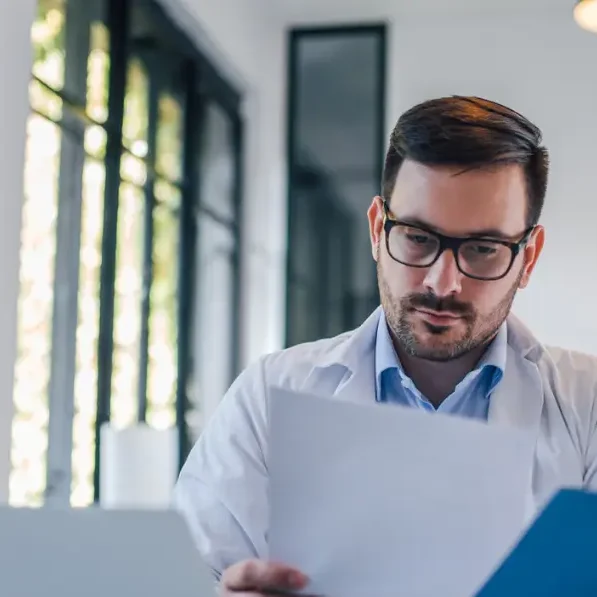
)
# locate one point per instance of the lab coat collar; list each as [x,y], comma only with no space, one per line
[523,341]
[347,371]
[358,344]
[355,345]
[518,399]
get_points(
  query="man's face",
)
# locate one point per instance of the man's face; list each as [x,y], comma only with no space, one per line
[436,312]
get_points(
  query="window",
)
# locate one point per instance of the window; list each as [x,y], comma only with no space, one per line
[217,259]
[130,241]
[336,142]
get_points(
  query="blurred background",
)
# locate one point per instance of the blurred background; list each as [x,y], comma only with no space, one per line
[184,187]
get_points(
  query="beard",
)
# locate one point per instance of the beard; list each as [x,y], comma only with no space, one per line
[441,343]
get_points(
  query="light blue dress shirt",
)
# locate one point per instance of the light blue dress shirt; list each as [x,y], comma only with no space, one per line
[471,396]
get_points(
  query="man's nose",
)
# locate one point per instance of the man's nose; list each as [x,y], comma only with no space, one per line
[443,277]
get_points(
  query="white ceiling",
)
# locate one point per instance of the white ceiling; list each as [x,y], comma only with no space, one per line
[340,11]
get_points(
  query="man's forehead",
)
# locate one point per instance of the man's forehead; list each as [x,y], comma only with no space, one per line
[415,175]
[454,201]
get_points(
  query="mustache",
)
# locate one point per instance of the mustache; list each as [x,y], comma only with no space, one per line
[439,304]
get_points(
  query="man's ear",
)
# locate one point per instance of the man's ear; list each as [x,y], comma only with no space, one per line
[375,217]
[531,254]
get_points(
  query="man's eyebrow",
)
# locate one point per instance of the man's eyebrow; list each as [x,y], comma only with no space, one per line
[491,233]
[494,233]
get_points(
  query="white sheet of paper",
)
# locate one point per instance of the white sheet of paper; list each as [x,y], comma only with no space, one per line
[386,501]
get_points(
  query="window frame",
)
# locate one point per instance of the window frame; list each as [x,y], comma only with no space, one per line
[202,83]
[351,309]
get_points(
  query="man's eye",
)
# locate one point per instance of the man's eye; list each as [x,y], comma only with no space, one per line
[418,239]
[484,250]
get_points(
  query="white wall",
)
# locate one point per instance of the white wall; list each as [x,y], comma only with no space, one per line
[15,69]
[247,42]
[341,11]
[530,55]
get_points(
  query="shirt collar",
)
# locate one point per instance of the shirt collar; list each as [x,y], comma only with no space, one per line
[385,354]
[386,357]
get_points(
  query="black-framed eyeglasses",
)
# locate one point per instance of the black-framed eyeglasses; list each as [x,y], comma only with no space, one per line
[478,258]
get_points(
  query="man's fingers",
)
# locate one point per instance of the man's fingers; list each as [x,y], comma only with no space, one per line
[253,575]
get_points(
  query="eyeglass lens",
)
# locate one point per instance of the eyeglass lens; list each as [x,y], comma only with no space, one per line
[477,258]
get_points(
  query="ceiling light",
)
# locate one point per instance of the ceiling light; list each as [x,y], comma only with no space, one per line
[585,14]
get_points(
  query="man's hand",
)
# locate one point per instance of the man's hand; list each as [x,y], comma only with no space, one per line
[255,578]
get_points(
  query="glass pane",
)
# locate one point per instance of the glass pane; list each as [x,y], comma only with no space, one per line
[47,36]
[34,323]
[163,329]
[133,169]
[128,296]
[339,251]
[305,254]
[136,109]
[338,105]
[98,70]
[338,158]
[96,139]
[214,304]
[83,456]
[303,313]
[216,168]
[169,138]
[44,101]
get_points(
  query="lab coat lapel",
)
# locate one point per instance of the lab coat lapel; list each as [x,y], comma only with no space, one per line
[347,371]
[359,386]
[518,399]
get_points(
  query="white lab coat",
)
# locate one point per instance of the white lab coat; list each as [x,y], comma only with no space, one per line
[222,489]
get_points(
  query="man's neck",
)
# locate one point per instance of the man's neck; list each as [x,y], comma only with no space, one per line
[436,380]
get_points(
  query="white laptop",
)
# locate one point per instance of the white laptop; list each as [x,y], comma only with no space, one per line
[99,553]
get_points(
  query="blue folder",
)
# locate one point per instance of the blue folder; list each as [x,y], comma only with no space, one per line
[557,556]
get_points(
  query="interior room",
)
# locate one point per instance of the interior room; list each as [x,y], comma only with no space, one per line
[185,190]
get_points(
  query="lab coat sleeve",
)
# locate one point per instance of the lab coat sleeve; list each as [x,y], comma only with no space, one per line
[222,487]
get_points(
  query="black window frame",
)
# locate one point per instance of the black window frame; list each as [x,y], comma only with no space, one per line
[202,83]
[351,311]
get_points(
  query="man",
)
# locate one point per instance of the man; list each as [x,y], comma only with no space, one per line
[455,235]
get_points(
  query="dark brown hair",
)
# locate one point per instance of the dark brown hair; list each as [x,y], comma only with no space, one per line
[473,133]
